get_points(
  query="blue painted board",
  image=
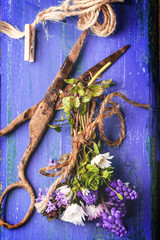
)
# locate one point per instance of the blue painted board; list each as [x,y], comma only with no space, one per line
[23,84]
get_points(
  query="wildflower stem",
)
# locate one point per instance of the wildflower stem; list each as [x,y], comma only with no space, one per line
[77,120]
[118,195]
[98,73]
[104,205]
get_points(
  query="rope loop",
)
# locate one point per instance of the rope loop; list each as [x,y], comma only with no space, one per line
[87,10]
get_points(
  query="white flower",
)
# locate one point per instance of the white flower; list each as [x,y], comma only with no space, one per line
[85,191]
[101,160]
[74,214]
[66,190]
[94,211]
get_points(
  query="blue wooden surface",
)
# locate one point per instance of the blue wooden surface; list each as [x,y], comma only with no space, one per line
[23,84]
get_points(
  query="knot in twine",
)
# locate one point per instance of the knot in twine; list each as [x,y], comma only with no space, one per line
[84,137]
[87,10]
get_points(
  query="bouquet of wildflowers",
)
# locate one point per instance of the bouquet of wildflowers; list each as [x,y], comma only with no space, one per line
[92,193]
[90,190]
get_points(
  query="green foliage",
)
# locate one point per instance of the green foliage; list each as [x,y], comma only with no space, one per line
[75,185]
[96,90]
[79,97]
[99,146]
[107,83]
[91,176]
[71,81]
[92,168]
[86,98]
[57,128]
[82,108]
[107,174]
[96,148]
[71,121]
[76,102]
[74,89]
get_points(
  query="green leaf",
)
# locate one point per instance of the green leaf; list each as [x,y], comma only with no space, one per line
[96,90]
[93,168]
[93,182]
[107,83]
[87,156]
[57,128]
[100,146]
[66,102]
[81,170]
[86,98]
[71,121]
[96,149]
[107,174]
[82,109]
[74,89]
[70,81]
[76,102]
[84,178]
[81,92]
[81,85]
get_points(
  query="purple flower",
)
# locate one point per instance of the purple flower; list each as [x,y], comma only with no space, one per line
[54,163]
[61,199]
[79,194]
[51,207]
[91,197]
[40,196]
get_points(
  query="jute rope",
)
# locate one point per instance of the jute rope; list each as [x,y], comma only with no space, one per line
[87,10]
[85,136]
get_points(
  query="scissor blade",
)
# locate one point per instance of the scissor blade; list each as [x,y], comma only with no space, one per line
[85,77]
[72,57]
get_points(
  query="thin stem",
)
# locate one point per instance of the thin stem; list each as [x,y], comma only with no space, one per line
[85,120]
[68,178]
[99,72]
[60,120]
[77,120]
[118,194]
[82,121]
[104,205]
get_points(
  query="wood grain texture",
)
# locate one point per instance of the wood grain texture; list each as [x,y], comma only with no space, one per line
[23,84]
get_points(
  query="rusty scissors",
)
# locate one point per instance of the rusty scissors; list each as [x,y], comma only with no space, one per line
[42,113]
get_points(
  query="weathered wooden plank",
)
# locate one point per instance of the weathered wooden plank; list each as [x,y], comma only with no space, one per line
[23,84]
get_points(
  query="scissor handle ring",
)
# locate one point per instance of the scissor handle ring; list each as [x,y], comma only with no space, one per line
[28,188]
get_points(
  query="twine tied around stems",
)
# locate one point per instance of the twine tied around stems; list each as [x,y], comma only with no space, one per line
[84,137]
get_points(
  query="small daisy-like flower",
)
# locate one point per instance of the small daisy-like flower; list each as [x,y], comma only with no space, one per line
[85,191]
[66,190]
[93,211]
[101,160]
[74,214]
